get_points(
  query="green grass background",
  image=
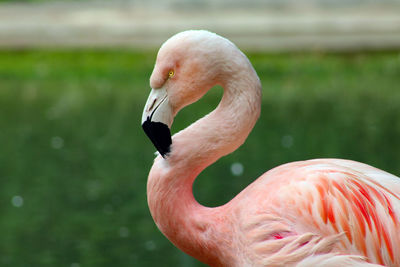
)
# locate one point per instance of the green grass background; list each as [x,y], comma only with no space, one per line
[71,145]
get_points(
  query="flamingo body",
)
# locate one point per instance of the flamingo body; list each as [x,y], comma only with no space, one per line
[344,200]
[323,212]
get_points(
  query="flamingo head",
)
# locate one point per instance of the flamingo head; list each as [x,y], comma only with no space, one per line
[187,66]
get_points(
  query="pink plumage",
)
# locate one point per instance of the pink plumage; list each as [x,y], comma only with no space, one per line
[322,212]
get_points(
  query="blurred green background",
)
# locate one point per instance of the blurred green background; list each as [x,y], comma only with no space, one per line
[74,159]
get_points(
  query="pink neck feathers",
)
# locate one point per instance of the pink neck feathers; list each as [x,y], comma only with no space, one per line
[189,225]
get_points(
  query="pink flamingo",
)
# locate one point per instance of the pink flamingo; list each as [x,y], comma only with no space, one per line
[322,212]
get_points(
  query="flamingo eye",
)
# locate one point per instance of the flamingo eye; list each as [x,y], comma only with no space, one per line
[171,74]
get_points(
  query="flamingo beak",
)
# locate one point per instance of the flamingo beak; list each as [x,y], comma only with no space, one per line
[157,120]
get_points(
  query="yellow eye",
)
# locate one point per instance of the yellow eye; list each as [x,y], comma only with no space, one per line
[171,74]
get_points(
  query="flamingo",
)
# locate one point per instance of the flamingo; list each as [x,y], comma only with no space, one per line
[321,212]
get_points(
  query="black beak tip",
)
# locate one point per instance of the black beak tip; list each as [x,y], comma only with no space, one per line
[160,136]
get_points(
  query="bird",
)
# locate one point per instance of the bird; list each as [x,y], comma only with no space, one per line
[319,212]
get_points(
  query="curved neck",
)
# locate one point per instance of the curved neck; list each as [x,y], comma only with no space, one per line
[190,226]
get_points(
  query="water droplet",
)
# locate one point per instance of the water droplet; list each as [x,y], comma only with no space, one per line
[57,142]
[124,231]
[17,201]
[150,245]
[237,168]
[287,141]
[75,264]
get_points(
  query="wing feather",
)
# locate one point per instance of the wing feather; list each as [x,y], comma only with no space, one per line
[350,202]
